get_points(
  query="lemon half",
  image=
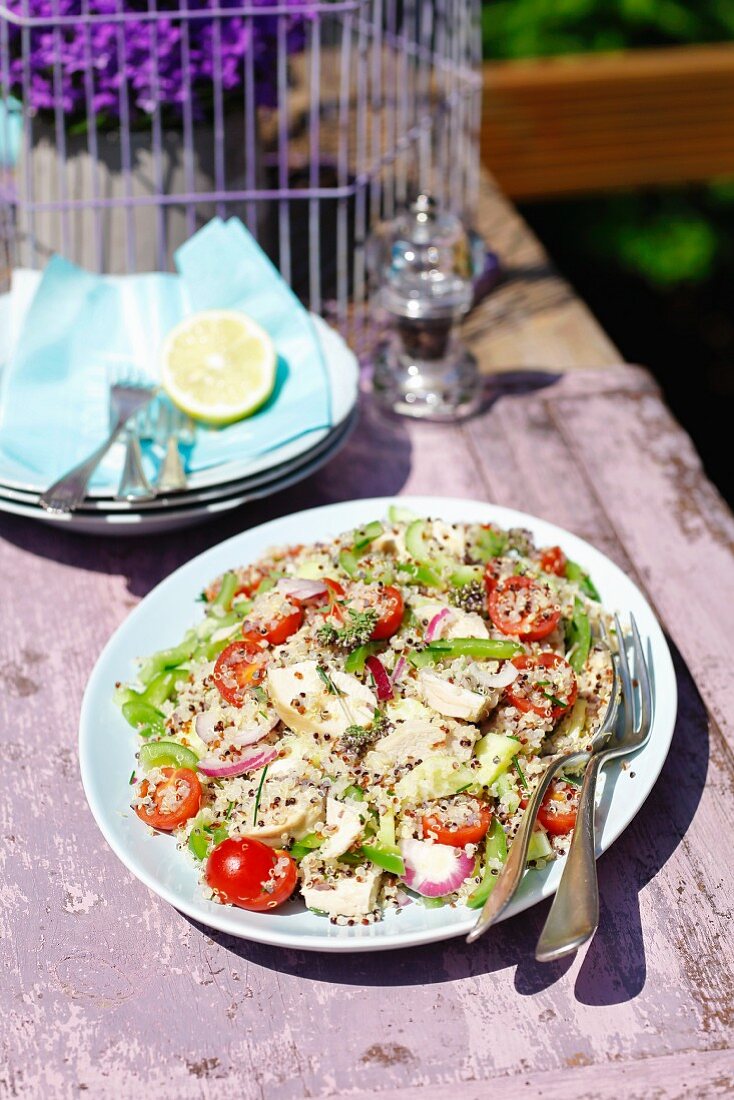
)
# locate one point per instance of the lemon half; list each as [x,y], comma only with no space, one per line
[218,366]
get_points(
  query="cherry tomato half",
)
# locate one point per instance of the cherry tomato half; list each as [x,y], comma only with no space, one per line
[275,628]
[458,835]
[557,813]
[522,607]
[176,798]
[390,607]
[533,691]
[553,560]
[246,873]
[239,667]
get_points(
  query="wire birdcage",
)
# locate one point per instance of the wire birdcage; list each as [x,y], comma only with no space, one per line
[127,124]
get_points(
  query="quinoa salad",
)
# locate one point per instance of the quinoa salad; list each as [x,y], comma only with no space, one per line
[359,723]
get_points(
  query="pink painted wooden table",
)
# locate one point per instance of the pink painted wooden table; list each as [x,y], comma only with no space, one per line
[108,991]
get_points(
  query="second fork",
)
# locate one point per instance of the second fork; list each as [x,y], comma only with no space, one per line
[574,914]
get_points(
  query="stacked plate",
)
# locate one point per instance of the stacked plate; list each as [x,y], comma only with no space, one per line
[218,488]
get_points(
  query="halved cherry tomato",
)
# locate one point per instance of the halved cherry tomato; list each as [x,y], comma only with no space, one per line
[246,873]
[390,606]
[558,809]
[458,835]
[553,560]
[524,608]
[529,692]
[176,798]
[240,667]
[275,629]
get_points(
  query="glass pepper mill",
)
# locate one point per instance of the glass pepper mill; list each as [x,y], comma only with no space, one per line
[421,266]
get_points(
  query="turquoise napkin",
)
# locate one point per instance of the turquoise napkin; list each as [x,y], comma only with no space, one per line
[81,331]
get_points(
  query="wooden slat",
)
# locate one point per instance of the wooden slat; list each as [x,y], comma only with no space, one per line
[593,122]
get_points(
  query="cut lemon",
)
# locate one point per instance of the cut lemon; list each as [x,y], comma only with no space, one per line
[218,366]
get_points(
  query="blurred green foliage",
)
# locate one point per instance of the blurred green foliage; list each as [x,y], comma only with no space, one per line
[667,237]
[543,28]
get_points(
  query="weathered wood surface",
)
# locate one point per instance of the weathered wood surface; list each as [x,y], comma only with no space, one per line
[109,991]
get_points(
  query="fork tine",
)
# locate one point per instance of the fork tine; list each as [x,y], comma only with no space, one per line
[642,676]
[624,671]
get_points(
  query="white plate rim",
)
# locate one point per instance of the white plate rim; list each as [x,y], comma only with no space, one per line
[176,518]
[268,928]
[103,507]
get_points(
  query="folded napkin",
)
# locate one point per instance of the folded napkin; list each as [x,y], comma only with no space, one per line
[79,332]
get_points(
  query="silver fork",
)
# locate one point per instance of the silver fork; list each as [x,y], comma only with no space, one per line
[511,874]
[574,914]
[69,491]
[134,484]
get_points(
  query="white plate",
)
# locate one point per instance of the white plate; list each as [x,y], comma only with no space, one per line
[176,516]
[107,745]
[106,505]
[342,369]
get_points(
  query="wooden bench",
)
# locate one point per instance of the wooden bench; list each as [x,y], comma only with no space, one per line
[573,125]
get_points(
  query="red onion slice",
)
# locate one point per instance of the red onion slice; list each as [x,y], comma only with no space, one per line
[381,678]
[256,733]
[435,623]
[204,725]
[434,870]
[301,589]
[398,671]
[251,762]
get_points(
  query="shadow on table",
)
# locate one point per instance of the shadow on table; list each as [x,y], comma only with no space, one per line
[614,968]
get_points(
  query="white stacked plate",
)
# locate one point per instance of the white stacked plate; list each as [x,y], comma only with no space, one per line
[219,488]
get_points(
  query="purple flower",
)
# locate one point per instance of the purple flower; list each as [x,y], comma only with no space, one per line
[163,61]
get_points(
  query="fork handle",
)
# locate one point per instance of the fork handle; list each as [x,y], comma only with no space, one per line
[574,914]
[69,491]
[513,870]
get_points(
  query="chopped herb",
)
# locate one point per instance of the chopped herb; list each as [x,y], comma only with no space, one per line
[259,693]
[132,777]
[202,598]
[542,683]
[356,632]
[259,794]
[330,685]
[554,699]
[520,772]
[573,780]
[464,788]
[228,813]
[356,739]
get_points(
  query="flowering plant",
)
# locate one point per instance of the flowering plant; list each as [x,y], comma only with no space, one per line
[164,60]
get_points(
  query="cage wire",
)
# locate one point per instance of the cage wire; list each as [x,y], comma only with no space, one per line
[127,124]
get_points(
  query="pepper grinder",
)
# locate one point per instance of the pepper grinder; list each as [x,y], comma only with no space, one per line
[421,266]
